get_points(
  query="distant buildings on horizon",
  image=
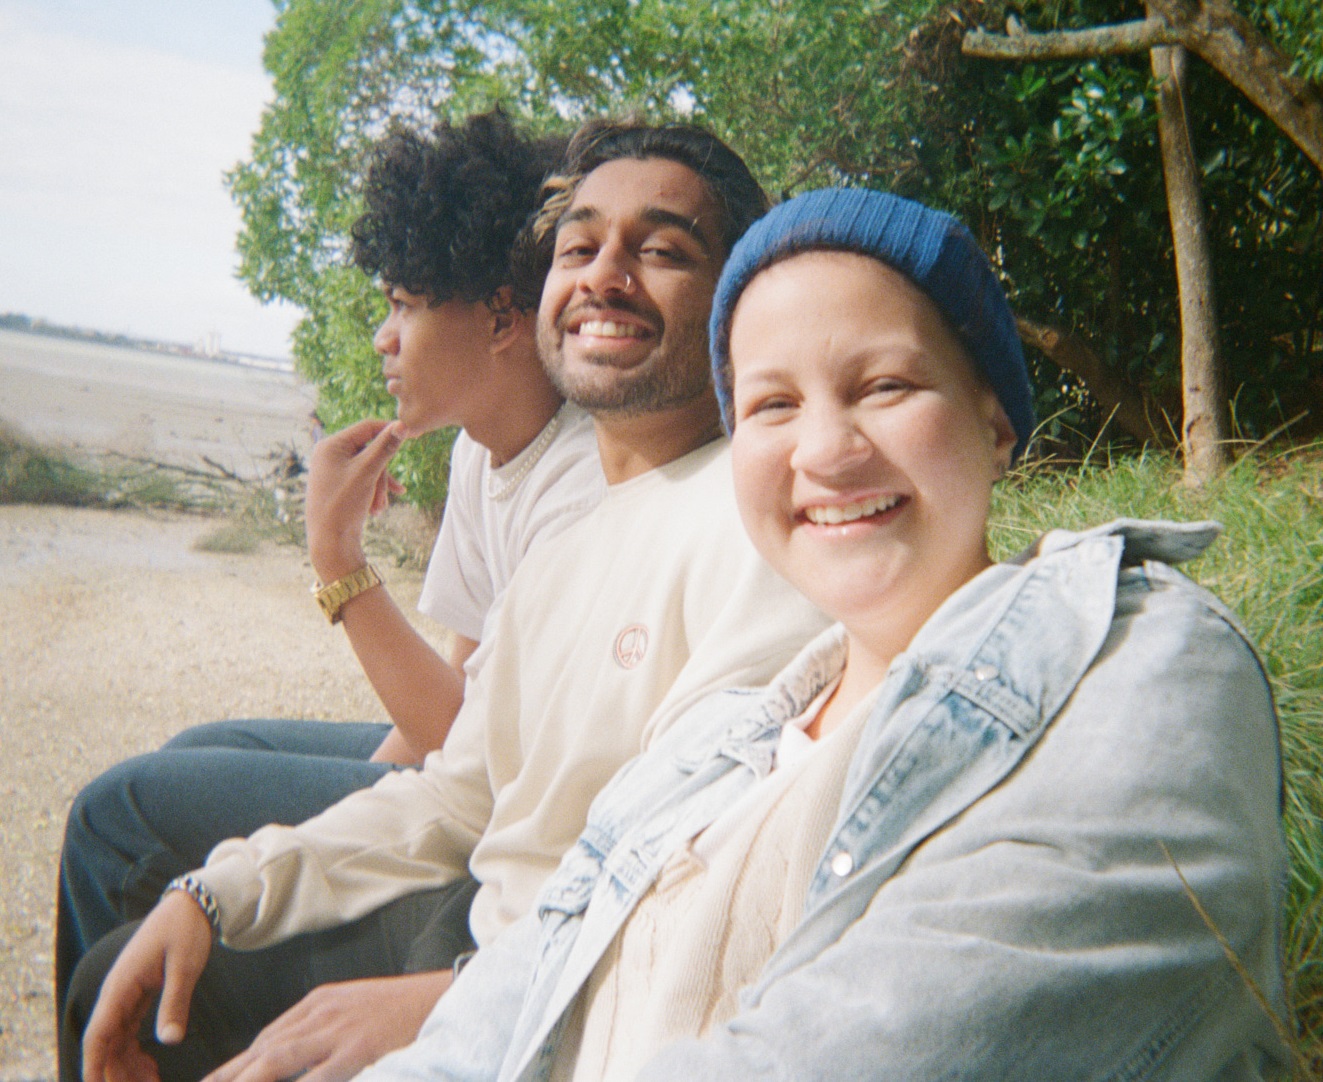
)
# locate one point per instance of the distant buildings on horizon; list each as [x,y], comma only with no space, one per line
[207,348]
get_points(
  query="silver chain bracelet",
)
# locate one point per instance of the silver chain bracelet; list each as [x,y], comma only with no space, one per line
[197,890]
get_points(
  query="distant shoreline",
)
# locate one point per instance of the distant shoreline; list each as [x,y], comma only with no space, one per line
[22,324]
[178,408]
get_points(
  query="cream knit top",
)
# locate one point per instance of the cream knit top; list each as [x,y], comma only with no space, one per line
[708,926]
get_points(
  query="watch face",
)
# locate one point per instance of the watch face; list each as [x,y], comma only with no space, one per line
[329,598]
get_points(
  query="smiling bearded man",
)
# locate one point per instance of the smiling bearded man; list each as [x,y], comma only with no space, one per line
[605,635]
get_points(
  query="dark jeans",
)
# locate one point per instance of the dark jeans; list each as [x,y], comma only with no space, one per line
[156,816]
[240,992]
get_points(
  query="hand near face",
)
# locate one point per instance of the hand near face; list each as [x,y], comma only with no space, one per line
[166,954]
[338,1029]
[347,481]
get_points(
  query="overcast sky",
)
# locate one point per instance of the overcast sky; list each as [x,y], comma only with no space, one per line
[117,120]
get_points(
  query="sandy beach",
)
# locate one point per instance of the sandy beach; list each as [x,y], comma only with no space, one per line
[93,397]
[118,633]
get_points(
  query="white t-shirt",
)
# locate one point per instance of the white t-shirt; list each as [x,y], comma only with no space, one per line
[493,516]
[607,634]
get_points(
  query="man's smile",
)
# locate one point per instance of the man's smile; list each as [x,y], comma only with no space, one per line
[592,321]
[605,328]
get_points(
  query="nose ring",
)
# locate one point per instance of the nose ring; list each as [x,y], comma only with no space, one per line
[629,282]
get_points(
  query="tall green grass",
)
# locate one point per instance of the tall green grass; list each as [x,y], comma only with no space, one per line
[1268,567]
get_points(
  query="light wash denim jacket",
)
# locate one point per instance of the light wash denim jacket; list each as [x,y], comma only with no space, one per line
[1000,897]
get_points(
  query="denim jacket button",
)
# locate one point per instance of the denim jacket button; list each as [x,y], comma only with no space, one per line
[985,672]
[842,864]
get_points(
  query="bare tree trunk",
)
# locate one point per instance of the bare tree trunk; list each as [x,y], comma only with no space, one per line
[1204,429]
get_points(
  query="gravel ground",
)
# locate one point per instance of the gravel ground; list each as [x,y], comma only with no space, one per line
[116,634]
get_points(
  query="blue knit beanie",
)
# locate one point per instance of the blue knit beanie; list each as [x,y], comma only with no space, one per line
[932,250]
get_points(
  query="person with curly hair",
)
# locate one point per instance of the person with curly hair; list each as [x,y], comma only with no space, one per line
[458,348]
[605,633]
[443,215]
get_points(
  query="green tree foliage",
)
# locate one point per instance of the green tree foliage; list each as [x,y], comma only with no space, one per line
[341,71]
[1055,166]
[1297,28]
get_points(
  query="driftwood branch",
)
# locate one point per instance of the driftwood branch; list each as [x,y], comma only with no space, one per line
[1133,413]
[218,485]
[225,472]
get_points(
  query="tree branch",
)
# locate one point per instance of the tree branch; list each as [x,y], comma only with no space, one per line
[1211,29]
[1133,413]
[1115,40]
[1224,39]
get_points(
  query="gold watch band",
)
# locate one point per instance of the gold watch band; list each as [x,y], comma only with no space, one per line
[333,597]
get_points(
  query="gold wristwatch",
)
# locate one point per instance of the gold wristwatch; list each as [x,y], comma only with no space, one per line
[332,598]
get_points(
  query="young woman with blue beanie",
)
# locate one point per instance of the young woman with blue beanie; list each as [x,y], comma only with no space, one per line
[999,822]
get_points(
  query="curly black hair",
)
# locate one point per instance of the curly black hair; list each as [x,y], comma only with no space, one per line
[443,210]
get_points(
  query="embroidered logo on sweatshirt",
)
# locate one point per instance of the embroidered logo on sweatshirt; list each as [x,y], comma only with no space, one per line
[631,646]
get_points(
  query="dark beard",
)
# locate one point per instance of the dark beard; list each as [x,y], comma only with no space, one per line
[674,375]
